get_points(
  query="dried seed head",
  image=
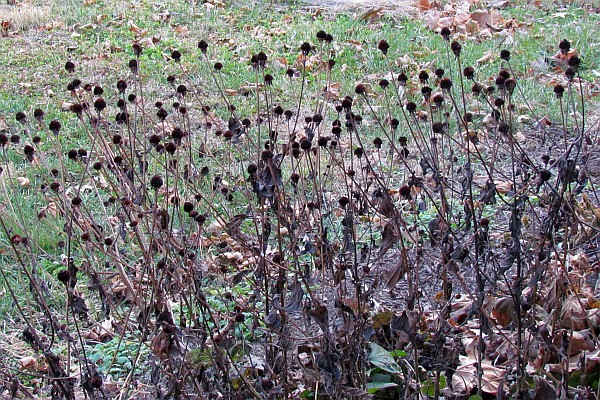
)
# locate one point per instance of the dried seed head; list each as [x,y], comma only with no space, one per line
[545,175]
[54,126]
[411,107]
[469,72]
[133,66]
[161,114]
[437,127]
[121,86]
[445,33]
[347,103]
[176,55]
[38,113]
[405,192]
[383,46]
[360,89]
[306,48]
[321,35]
[156,182]
[423,76]
[182,90]
[570,73]
[564,46]
[218,66]
[21,117]
[438,100]
[456,48]
[505,55]
[137,49]
[446,84]
[574,62]
[559,90]
[402,78]
[426,92]
[70,67]
[203,46]
[63,276]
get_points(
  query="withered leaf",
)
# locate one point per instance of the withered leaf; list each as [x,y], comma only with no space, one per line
[398,272]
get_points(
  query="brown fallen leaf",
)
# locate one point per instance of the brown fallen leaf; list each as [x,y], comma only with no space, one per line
[372,15]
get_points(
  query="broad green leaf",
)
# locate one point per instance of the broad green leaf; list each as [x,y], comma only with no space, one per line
[373,387]
[381,358]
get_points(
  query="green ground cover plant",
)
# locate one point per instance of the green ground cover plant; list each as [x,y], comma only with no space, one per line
[253,200]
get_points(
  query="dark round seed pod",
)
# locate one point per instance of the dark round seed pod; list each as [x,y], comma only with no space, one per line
[446,84]
[70,67]
[456,48]
[156,182]
[405,192]
[545,175]
[306,48]
[64,276]
[469,72]
[383,46]
[121,86]
[203,46]
[402,78]
[559,90]
[564,46]
[445,33]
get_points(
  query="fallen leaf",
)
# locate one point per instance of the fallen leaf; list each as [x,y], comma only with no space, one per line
[372,15]
[487,58]
[182,30]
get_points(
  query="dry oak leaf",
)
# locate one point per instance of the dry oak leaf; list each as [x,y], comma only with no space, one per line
[465,377]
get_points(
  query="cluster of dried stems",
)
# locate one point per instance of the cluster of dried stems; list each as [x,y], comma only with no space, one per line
[250,256]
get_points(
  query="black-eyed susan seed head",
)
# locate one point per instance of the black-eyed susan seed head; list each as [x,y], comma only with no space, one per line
[402,79]
[570,73]
[156,182]
[445,33]
[426,92]
[21,117]
[306,48]
[446,84]
[121,86]
[383,46]
[70,67]
[456,48]
[469,72]
[38,114]
[203,46]
[360,89]
[182,90]
[54,126]
[559,90]
[176,55]
[133,66]
[564,46]
[505,55]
